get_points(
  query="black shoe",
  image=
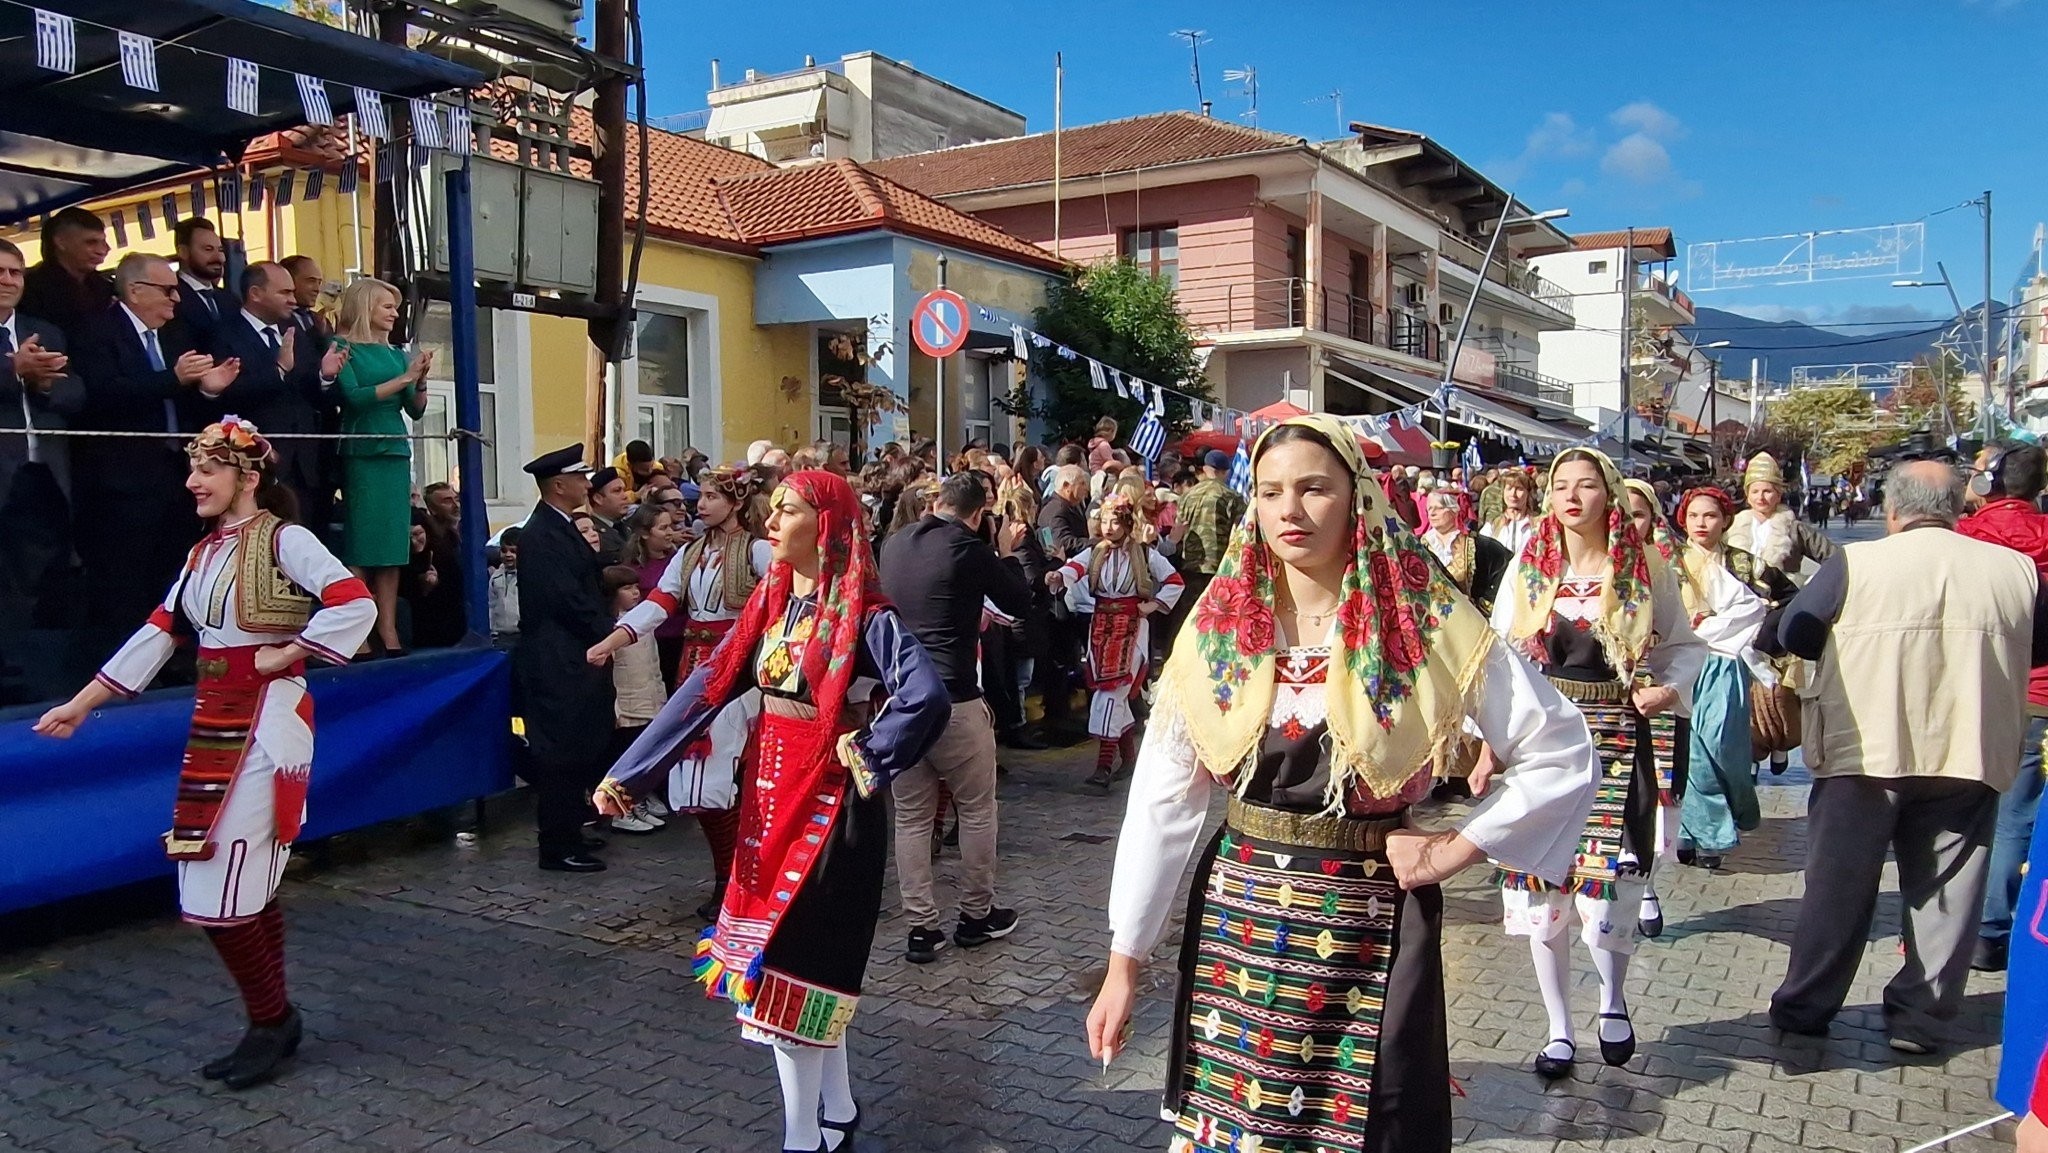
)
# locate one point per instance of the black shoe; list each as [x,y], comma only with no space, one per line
[951,838]
[1687,856]
[1786,1025]
[1652,926]
[1098,780]
[1710,861]
[1617,1052]
[708,911]
[1556,1068]
[1779,763]
[269,1047]
[974,931]
[845,1129]
[219,1067]
[1021,738]
[924,946]
[1989,955]
[573,863]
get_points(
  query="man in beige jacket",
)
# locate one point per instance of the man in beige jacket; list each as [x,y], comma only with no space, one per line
[1924,641]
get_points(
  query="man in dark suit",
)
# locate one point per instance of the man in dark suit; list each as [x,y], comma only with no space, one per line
[133,519]
[565,700]
[285,381]
[309,283]
[203,305]
[37,391]
[68,288]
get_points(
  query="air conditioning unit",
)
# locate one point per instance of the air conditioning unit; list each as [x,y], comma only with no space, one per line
[1415,295]
[1445,313]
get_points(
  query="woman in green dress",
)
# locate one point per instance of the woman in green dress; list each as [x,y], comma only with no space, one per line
[379,387]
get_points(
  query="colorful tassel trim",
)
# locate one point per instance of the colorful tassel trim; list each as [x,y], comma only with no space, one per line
[1598,888]
[720,982]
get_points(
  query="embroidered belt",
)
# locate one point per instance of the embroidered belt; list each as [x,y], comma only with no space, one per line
[1311,830]
[707,631]
[237,666]
[1117,606]
[1591,692]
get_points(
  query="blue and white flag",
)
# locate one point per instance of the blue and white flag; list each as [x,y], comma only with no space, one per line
[56,42]
[313,99]
[1158,402]
[1096,376]
[1471,461]
[426,124]
[461,135]
[1240,478]
[199,198]
[349,177]
[286,181]
[138,60]
[370,114]
[170,210]
[316,182]
[1148,438]
[244,85]
[119,225]
[228,191]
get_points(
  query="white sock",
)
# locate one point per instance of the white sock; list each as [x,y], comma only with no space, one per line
[802,1071]
[837,1090]
[1649,910]
[1554,978]
[1613,968]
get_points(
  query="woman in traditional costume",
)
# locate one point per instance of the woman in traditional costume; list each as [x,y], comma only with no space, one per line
[1476,563]
[1670,734]
[1729,597]
[708,582]
[259,595]
[1767,529]
[1516,522]
[1324,666]
[1123,583]
[817,638]
[1599,613]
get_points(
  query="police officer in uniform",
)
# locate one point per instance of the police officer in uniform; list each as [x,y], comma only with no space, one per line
[566,703]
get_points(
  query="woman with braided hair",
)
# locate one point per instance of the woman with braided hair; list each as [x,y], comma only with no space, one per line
[821,644]
[1122,582]
[708,583]
[247,596]
[1597,609]
[1326,664]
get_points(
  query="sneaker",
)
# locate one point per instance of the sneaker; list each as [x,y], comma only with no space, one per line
[645,811]
[974,931]
[656,807]
[634,822]
[925,943]
[1910,1047]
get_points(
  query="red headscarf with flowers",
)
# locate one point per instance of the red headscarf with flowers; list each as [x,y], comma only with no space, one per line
[1406,650]
[1624,624]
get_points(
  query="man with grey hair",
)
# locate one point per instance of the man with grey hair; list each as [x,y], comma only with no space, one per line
[1923,643]
[1063,531]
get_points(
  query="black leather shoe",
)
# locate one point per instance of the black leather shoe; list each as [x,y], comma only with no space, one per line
[1989,955]
[845,1129]
[708,911]
[269,1046]
[1556,1068]
[573,863]
[1617,1052]
[217,1068]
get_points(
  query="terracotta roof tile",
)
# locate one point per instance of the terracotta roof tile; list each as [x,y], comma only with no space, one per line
[1090,150]
[1658,239]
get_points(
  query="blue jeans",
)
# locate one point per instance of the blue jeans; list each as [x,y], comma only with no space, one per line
[2016,812]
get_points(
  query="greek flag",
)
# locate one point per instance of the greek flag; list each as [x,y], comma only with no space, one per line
[171,210]
[229,193]
[56,42]
[243,86]
[370,108]
[286,181]
[1471,461]
[426,125]
[349,176]
[461,137]
[1240,478]
[1096,376]
[1149,437]
[138,61]
[313,99]
[316,182]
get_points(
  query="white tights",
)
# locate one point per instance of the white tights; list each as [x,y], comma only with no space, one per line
[814,1081]
[1553,959]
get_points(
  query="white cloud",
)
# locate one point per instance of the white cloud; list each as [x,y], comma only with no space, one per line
[1556,137]
[1637,158]
[1643,118]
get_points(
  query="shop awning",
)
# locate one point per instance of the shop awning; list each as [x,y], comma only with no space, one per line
[66,137]
[1478,411]
[786,110]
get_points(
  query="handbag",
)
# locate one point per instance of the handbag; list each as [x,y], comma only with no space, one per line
[1774,720]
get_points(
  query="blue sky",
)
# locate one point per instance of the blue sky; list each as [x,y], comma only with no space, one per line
[1722,120]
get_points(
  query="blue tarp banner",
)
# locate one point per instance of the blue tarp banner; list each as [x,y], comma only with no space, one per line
[2026,982]
[391,739]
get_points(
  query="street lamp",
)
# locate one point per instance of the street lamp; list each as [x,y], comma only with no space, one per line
[1962,321]
[1507,220]
[1711,406]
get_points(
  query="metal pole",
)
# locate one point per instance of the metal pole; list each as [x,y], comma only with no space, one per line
[1059,82]
[1987,315]
[1500,228]
[469,452]
[1628,400]
[939,390]
[1713,413]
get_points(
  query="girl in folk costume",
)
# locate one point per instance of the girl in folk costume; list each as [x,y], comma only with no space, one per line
[1516,522]
[708,582]
[248,595]
[817,639]
[1323,667]
[1729,597]
[1670,734]
[1767,529]
[1122,582]
[1599,613]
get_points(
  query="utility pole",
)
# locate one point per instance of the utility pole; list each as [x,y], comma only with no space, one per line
[1628,400]
[1059,84]
[1987,320]
[608,116]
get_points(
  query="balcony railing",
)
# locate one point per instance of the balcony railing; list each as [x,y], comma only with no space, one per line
[1525,381]
[1265,305]
[1511,274]
[1666,291]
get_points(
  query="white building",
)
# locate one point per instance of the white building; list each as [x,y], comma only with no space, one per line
[863,107]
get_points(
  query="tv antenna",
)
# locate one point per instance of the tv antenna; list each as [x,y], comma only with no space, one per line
[1336,97]
[1195,38]
[1249,77]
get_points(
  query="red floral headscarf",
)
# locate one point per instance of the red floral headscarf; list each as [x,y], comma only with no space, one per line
[1624,627]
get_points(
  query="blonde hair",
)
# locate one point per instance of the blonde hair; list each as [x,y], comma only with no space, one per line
[352,317]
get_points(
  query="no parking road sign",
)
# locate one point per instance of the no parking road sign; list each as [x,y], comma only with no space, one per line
[939,323]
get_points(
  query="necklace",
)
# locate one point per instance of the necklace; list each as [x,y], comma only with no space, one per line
[1313,620]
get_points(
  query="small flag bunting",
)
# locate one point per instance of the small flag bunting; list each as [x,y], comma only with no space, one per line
[349,179]
[56,42]
[1096,377]
[170,210]
[316,181]
[370,113]
[144,221]
[313,99]
[119,222]
[257,184]
[461,132]
[244,86]
[199,198]
[426,124]
[230,190]
[286,181]
[138,61]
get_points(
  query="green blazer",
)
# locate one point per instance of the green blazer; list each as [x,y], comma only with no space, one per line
[362,413]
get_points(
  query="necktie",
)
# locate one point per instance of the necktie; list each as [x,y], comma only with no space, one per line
[154,350]
[270,338]
[28,423]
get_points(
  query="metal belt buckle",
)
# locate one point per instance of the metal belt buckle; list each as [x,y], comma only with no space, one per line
[210,668]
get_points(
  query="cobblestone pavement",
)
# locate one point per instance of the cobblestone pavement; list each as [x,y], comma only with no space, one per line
[459,999]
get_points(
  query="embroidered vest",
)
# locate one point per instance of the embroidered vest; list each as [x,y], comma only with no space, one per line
[266,600]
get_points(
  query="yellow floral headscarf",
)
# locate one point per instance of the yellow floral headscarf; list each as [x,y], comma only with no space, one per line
[1408,649]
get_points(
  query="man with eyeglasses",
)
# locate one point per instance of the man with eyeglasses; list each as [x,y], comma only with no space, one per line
[134,520]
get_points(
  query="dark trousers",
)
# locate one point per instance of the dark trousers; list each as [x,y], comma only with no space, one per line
[561,800]
[1940,833]
[2018,809]
[1060,673]
[999,678]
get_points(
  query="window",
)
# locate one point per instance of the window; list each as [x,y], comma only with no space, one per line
[662,375]
[1596,268]
[987,381]
[1155,249]
[434,460]
[842,360]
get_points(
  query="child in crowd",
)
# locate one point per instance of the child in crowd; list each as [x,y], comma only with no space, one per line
[505,591]
[640,692]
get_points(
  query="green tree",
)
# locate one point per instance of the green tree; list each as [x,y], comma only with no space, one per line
[1123,317]
[319,11]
